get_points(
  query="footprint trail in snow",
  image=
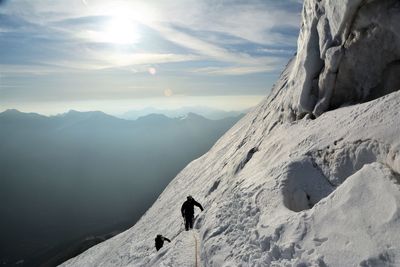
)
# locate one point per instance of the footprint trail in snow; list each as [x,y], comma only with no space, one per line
[183,251]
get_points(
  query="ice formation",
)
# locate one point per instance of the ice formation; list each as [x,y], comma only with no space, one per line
[348,53]
[308,178]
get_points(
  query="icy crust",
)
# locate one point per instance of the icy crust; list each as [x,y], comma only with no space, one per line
[321,192]
[348,52]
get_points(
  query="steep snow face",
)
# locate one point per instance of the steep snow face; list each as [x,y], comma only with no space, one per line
[280,189]
[275,196]
[348,52]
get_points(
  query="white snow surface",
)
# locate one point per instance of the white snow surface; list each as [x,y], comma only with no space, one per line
[280,188]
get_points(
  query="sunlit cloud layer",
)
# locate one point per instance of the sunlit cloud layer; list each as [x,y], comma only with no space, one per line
[175,44]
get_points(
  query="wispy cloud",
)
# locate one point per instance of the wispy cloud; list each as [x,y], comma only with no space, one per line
[253,21]
[233,70]
[113,60]
[35,70]
[205,48]
[190,46]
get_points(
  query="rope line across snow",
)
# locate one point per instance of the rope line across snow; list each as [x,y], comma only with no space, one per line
[195,247]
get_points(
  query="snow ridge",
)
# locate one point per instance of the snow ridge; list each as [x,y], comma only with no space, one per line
[305,178]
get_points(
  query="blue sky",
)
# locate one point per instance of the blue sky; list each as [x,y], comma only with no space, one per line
[120,55]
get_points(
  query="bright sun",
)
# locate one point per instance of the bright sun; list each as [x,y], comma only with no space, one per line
[121,30]
[122,24]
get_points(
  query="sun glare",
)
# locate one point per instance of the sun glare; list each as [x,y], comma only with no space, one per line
[117,30]
[122,23]
[121,30]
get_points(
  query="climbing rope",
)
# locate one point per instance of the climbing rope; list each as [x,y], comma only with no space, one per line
[195,253]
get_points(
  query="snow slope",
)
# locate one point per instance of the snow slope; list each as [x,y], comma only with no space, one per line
[282,188]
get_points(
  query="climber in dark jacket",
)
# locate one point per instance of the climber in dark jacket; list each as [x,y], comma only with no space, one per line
[188,211]
[160,241]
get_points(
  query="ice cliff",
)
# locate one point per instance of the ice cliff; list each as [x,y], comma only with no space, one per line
[348,53]
[310,177]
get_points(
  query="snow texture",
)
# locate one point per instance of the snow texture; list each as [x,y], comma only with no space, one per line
[282,188]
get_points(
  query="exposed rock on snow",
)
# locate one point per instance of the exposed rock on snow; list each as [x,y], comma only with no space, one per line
[283,191]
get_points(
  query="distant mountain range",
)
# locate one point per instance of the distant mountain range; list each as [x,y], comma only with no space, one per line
[207,112]
[68,177]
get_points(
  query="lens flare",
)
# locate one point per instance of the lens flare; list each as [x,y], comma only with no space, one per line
[152,71]
[168,92]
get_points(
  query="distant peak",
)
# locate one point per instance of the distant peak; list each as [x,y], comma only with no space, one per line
[153,116]
[194,116]
[12,111]
[73,112]
[18,114]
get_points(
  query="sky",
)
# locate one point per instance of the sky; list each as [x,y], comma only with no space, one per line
[121,55]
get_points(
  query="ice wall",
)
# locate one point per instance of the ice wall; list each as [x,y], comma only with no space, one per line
[348,53]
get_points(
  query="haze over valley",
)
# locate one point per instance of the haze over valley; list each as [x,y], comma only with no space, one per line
[81,175]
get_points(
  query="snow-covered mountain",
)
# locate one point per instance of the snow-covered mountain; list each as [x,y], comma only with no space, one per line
[91,166]
[308,178]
